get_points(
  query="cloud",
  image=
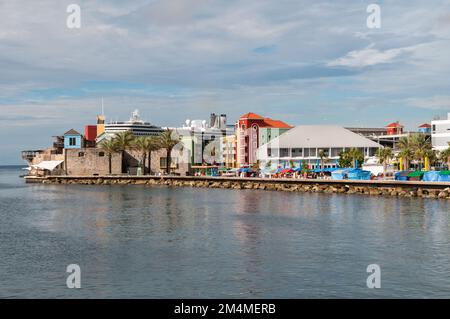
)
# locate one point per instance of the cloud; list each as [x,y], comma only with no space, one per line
[439,102]
[297,60]
[370,57]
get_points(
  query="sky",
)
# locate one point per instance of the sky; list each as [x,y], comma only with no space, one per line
[304,62]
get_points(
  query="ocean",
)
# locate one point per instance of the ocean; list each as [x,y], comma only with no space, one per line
[159,242]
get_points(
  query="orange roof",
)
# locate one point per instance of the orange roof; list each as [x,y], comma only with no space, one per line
[251,115]
[276,123]
[426,125]
[395,124]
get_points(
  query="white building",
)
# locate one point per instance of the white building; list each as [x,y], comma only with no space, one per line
[440,133]
[303,143]
[203,140]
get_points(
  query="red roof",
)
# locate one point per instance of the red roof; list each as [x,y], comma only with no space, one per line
[266,121]
[426,125]
[395,124]
[252,116]
[276,123]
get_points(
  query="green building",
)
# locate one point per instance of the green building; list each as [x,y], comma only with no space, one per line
[266,134]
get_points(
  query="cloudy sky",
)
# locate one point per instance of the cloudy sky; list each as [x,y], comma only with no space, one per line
[304,62]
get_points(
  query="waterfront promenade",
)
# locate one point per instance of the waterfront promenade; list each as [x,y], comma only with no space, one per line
[439,190]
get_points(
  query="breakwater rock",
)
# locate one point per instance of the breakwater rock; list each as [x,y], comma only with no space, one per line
[371,188]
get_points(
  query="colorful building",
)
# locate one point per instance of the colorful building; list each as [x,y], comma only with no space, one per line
[425,128]
[90,132]
[249,138]
[394,128]
[229,151]
[73,140]
[100,124]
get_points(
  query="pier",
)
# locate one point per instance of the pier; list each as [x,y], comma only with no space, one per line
[422,189]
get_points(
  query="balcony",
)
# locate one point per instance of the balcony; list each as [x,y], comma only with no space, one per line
[30,155]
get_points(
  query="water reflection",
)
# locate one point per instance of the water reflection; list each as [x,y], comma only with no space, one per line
[140,241]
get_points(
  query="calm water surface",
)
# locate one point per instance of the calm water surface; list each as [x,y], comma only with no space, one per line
[157,242]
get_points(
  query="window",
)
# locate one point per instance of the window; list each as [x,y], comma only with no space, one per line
[312,152]
[101,154]
[306,152]
[335,151]
[284,152]
[269,152]
[80,154]
[297,152]
[72,141]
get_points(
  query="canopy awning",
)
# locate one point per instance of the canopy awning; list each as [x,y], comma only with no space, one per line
[47,165]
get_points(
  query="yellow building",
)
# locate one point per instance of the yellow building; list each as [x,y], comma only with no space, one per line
[100,124]
[229,151]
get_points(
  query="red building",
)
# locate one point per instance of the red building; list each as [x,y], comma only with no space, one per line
[247,131]
[90,133]
[394,128]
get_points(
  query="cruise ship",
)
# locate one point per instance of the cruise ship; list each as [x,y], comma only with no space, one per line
[135,125]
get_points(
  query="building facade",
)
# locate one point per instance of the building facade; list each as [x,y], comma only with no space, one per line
[440,133]
[302,145]
[202,140]
[229,151]
[91,162]
[248,135]
[73,140]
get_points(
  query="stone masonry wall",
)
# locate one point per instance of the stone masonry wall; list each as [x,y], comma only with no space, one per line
[399,190]
[91,162]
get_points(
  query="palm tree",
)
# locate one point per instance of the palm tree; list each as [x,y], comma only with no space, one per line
[140,144]
[445,156]
[124,142]
[385,155]
[357,156]
[168,142]
[153,144]
[405,150]
[421,147]
[322,154]
[110,147]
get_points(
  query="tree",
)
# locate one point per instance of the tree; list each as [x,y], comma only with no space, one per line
[153,144]
[167,140]
[405,151]
[344,159]
[445,156]
[140,144]
[350,158]
[357,157]
[322,154]
[385,155]
[124,141]
[110,147]
[420,146]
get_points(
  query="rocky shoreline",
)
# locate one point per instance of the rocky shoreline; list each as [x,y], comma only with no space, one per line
[373,188]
